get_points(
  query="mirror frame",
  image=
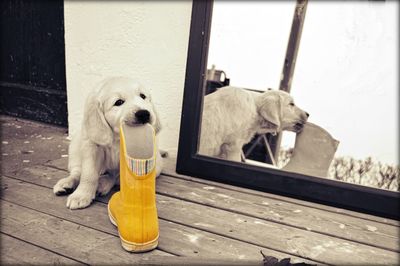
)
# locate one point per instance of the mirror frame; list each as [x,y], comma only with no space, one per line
[358,198]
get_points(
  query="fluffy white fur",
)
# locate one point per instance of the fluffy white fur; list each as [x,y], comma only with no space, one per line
[232,116]
[94,150]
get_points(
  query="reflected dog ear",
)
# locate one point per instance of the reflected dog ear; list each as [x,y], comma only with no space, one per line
[269,107]
[94,122]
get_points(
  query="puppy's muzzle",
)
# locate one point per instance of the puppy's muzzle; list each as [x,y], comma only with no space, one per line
[298,126]
[142,116]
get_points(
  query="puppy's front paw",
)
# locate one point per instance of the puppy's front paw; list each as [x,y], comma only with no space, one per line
[79,200]
[64,186]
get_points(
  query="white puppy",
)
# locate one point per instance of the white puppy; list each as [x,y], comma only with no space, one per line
[232,116]
[94,150]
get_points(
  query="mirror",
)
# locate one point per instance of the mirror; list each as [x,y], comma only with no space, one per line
[338,119]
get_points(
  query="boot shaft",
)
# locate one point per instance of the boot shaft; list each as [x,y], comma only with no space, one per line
[137,175]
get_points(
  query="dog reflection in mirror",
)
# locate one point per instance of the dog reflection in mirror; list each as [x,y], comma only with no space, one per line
[232,116]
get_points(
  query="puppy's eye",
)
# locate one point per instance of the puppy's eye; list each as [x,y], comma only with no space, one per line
[291,104]
[119,102]
[142,96]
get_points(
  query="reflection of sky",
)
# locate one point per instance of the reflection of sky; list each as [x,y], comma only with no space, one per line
[346,74]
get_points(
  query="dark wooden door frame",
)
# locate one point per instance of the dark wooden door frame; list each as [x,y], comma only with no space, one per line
[189,162]
[32,58]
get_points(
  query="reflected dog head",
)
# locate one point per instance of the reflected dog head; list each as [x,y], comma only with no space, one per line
[278,110]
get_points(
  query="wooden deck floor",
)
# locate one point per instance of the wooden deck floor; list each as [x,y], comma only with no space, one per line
[201,222]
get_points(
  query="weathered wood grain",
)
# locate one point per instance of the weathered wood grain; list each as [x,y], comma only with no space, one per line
[169,166]
[17,252]
[302,243]
[269,209]
[174,238]
[66,238]
[272,235]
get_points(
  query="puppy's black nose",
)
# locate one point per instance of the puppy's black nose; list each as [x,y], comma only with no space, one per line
[307,114]
[142,116]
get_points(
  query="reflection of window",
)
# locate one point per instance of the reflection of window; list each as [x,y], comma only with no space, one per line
[251,49]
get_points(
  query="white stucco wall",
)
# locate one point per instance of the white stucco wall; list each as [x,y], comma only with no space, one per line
[146,40]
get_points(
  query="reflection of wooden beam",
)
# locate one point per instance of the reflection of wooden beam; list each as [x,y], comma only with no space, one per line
[293,45]
[290,61]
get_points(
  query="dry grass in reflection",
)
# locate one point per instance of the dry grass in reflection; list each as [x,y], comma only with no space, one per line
[367,172]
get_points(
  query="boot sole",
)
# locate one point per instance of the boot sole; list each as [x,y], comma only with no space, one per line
[132,246]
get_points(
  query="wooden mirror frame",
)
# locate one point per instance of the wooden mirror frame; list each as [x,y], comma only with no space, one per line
[325,191]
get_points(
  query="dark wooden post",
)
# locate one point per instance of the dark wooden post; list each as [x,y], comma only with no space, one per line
[290,61]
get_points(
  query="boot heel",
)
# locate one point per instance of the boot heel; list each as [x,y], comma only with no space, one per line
[138,248]
[112,219]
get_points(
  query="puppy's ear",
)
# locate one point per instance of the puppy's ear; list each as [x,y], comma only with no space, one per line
[157,126]
[269,107]
[94,122]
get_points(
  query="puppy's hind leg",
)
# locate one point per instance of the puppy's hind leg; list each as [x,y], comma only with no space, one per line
[231,151]
[106,183]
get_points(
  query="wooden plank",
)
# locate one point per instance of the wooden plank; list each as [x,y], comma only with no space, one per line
[169,167]
[169,170]
[305,244]
[16,252]
[338,225]
[287,239]
[64,237]
[174,238]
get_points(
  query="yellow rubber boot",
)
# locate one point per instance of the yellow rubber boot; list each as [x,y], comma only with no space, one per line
[133,209]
